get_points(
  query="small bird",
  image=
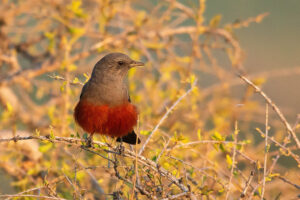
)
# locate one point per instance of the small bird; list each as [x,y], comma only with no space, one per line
[104,106]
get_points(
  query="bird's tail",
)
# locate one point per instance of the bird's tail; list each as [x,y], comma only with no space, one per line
[130,138]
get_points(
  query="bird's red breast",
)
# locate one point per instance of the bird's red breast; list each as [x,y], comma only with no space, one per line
[113,121]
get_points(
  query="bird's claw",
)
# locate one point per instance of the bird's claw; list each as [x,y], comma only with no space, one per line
[88,142]
[120,149]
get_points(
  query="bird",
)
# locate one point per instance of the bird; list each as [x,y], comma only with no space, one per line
[104,106]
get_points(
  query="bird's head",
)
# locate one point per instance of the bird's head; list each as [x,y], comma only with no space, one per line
[115,64]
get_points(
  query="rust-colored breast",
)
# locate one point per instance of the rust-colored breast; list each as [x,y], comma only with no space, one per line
[113,121]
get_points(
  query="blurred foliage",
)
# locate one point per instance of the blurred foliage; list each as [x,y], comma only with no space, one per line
[47,52]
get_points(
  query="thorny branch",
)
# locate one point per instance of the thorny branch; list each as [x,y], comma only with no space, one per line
[126,153]
[165,116]
[114,40]
[275,108]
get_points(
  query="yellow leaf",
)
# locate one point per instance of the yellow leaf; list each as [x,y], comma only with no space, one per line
[215,21]
[259,81]
[228,160]
[9,108]
[100,181]
[131,72]
[274,175]
[76,31]
[72,67]
[135,55]
[87,77]
[199,134]
[217,136]
[185,59]
[46,147]
[37,132]
[154,45]
[80,175]
[140,17]
[268,179]
[75,80]
[144,132]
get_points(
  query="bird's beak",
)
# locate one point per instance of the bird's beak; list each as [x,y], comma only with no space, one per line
[136,63]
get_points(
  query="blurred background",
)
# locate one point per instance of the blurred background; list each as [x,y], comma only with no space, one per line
[270,45]
[48,49]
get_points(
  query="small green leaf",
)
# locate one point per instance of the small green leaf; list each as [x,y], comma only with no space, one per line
[154,158]
[131,173]
[85,136]
[222,147]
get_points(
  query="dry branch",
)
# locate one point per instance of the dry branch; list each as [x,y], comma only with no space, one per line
[126,153]
[165,116]
[275,108]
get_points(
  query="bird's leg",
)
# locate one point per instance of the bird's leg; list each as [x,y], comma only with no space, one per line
[120,147]
[89,141]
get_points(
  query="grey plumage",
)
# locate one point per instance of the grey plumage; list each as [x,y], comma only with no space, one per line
[108,80]
[107,87]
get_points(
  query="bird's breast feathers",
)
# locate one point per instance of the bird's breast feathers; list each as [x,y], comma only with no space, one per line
[114,121]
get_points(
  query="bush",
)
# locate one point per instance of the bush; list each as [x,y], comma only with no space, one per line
[199,139]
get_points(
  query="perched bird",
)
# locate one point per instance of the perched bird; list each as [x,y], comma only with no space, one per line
[104,106]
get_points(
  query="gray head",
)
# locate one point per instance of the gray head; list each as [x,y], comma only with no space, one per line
[114,64]
[107,85]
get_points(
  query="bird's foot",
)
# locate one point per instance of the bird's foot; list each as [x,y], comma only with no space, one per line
[88,141]
[120,148]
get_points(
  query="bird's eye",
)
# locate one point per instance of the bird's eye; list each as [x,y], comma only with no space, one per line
[120,62]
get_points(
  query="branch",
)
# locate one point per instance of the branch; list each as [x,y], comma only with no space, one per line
[126,153]
[236,131]
[289,182]
[165,116]
[31,195]
[266,152]
[55,181]
[282,146]
[275,108]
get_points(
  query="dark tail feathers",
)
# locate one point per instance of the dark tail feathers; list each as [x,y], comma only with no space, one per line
[130,138]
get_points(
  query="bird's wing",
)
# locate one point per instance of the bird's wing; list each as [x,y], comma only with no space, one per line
[129,100]
[131,137]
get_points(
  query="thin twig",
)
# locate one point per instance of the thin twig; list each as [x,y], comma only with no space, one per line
[248,183]
[266,152]
[177,196]
[288,151]
[127,153]
[31,195]
[289,182]
[93,179]
[166,115]
[205,142]
[236,131]
[275,108]
[60,78]
[162,151]
[286,141]
[117,174]
[55,181]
